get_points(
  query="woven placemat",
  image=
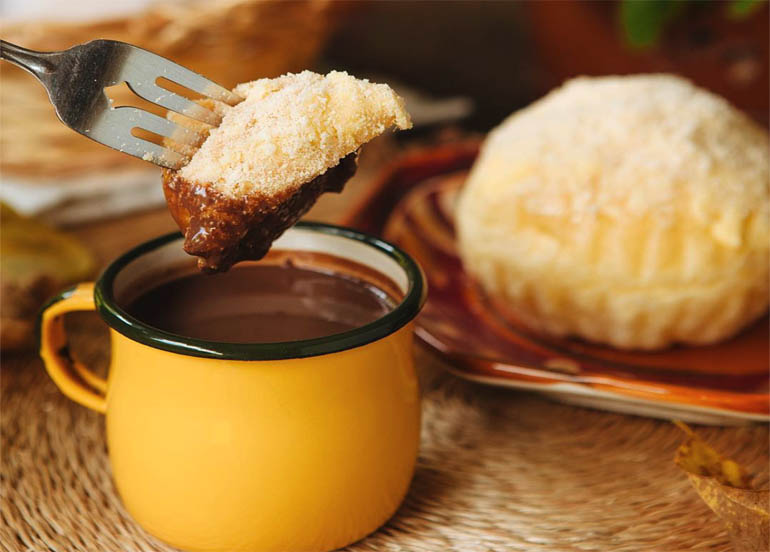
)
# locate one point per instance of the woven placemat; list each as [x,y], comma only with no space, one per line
[498,470]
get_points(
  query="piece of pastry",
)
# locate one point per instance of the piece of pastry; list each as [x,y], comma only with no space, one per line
[35,262]
[632,211]
[291,139]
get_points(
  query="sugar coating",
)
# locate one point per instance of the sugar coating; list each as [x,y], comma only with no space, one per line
[291,129]
[621,145]
[633,211]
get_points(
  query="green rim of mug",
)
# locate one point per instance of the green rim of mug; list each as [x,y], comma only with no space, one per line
[135,329]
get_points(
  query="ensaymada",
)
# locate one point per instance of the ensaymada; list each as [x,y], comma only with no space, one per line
[632,211]
[290,140]
[291,129]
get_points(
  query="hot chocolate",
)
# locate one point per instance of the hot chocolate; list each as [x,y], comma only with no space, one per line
[261,303]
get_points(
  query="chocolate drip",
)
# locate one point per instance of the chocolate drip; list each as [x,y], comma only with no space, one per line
[221,230]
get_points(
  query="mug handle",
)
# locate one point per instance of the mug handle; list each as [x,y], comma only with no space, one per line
[75,380]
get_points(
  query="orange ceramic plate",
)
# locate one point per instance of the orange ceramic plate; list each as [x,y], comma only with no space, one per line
[412,207]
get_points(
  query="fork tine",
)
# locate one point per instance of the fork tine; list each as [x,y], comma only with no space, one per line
[138,147]
[112,127]
[155,154]
[133,117]
[139,60]
[170,100]
[199,84]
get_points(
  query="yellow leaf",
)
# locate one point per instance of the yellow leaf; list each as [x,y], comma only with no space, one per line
[725,486]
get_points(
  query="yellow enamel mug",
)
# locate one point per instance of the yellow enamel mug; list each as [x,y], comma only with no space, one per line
[299,446]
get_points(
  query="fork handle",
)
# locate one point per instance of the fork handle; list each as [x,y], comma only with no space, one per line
[38,63]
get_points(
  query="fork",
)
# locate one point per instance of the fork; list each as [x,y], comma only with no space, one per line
[76,78]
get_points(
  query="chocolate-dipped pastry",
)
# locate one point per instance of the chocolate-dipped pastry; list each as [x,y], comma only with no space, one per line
[290,140]
[222,230]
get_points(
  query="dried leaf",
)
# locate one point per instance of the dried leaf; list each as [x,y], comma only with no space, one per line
[725,486]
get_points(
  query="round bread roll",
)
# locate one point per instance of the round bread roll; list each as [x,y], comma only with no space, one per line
[632,211]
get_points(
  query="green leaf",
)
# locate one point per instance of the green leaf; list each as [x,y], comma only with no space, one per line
[741,9]
[643,20]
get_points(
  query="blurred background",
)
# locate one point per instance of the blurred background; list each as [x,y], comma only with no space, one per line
[463,66]
[460,64]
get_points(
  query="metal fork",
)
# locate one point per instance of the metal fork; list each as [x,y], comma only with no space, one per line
[76,78]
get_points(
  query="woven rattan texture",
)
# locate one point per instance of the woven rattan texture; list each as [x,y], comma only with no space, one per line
[498,470]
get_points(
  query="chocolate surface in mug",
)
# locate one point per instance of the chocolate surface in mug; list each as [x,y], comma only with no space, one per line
[290,296]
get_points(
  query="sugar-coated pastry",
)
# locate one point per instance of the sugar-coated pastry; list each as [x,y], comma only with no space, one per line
[290,139]
[632,211]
